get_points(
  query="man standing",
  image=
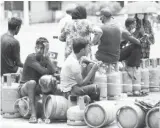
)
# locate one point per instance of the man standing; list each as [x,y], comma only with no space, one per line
[10,48]
[73,79]
[36,65]
[109,47]
[130,47]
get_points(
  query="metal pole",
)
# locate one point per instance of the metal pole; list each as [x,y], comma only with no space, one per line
[26,12]
[125,4]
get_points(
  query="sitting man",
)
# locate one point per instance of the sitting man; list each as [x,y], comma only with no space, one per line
[76,79]
[36,65]
[130,47]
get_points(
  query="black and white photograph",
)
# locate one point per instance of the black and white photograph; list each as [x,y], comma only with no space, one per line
[80,64]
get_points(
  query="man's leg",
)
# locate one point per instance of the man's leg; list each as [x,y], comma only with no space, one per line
[132,55]
[126,52]
[29,89]
[135,57]
[91,90]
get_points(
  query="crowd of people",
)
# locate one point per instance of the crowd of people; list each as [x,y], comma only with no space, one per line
[79,68]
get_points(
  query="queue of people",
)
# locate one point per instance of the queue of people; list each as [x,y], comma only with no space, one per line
[78,71]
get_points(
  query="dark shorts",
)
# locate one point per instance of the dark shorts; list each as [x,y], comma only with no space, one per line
[90,90]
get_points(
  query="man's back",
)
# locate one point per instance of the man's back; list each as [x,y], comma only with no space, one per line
[70,68]
[109,48]
[10,49]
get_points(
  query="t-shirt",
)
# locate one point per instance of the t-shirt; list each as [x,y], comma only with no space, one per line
[70,68]
[33,69]
[10,54]
[109,48]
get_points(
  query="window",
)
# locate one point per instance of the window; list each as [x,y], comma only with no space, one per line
[13,5]
[54,5]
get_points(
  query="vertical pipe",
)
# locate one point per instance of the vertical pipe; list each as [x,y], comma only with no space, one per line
[26,12]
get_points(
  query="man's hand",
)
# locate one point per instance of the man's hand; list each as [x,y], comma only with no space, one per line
[97,65]
[46,49]
[85,59]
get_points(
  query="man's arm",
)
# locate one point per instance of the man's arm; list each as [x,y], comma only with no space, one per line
[33,63]
[81,81]
[16,54]
[128,37]
[97,31]
[50,65]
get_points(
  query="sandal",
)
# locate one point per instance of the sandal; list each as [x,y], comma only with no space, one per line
[33,119]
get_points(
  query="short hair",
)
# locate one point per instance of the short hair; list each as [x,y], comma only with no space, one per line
[79,12]
[41,40]
[13,23]
[129,21]
[79,43]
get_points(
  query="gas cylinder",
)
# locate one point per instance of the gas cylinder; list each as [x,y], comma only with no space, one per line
[158,68]
[144,75]
[100,114]
[23,107]
[130,116]
[114,83]
[9,95]
[152,118]
[153,76]
[126,81]
[101,81]
[137,82]
[75,114]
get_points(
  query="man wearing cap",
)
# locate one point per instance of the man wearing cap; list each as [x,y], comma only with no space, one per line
[109,47]
[130,47]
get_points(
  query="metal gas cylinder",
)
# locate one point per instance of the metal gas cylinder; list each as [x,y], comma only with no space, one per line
[9,95]
[114,82]
[153,76]
[158,68]
[101,81]
[100,114]
[133,113]
[75,114]
[23,107]
[144,75]
[126,81]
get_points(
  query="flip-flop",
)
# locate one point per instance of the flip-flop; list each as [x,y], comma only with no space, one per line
[33,119]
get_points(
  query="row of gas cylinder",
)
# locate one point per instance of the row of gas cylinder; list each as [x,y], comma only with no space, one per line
[115,82]
[77,111]
[95,115]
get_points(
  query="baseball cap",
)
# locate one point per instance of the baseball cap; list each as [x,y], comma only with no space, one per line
[129,21]
[106,13]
